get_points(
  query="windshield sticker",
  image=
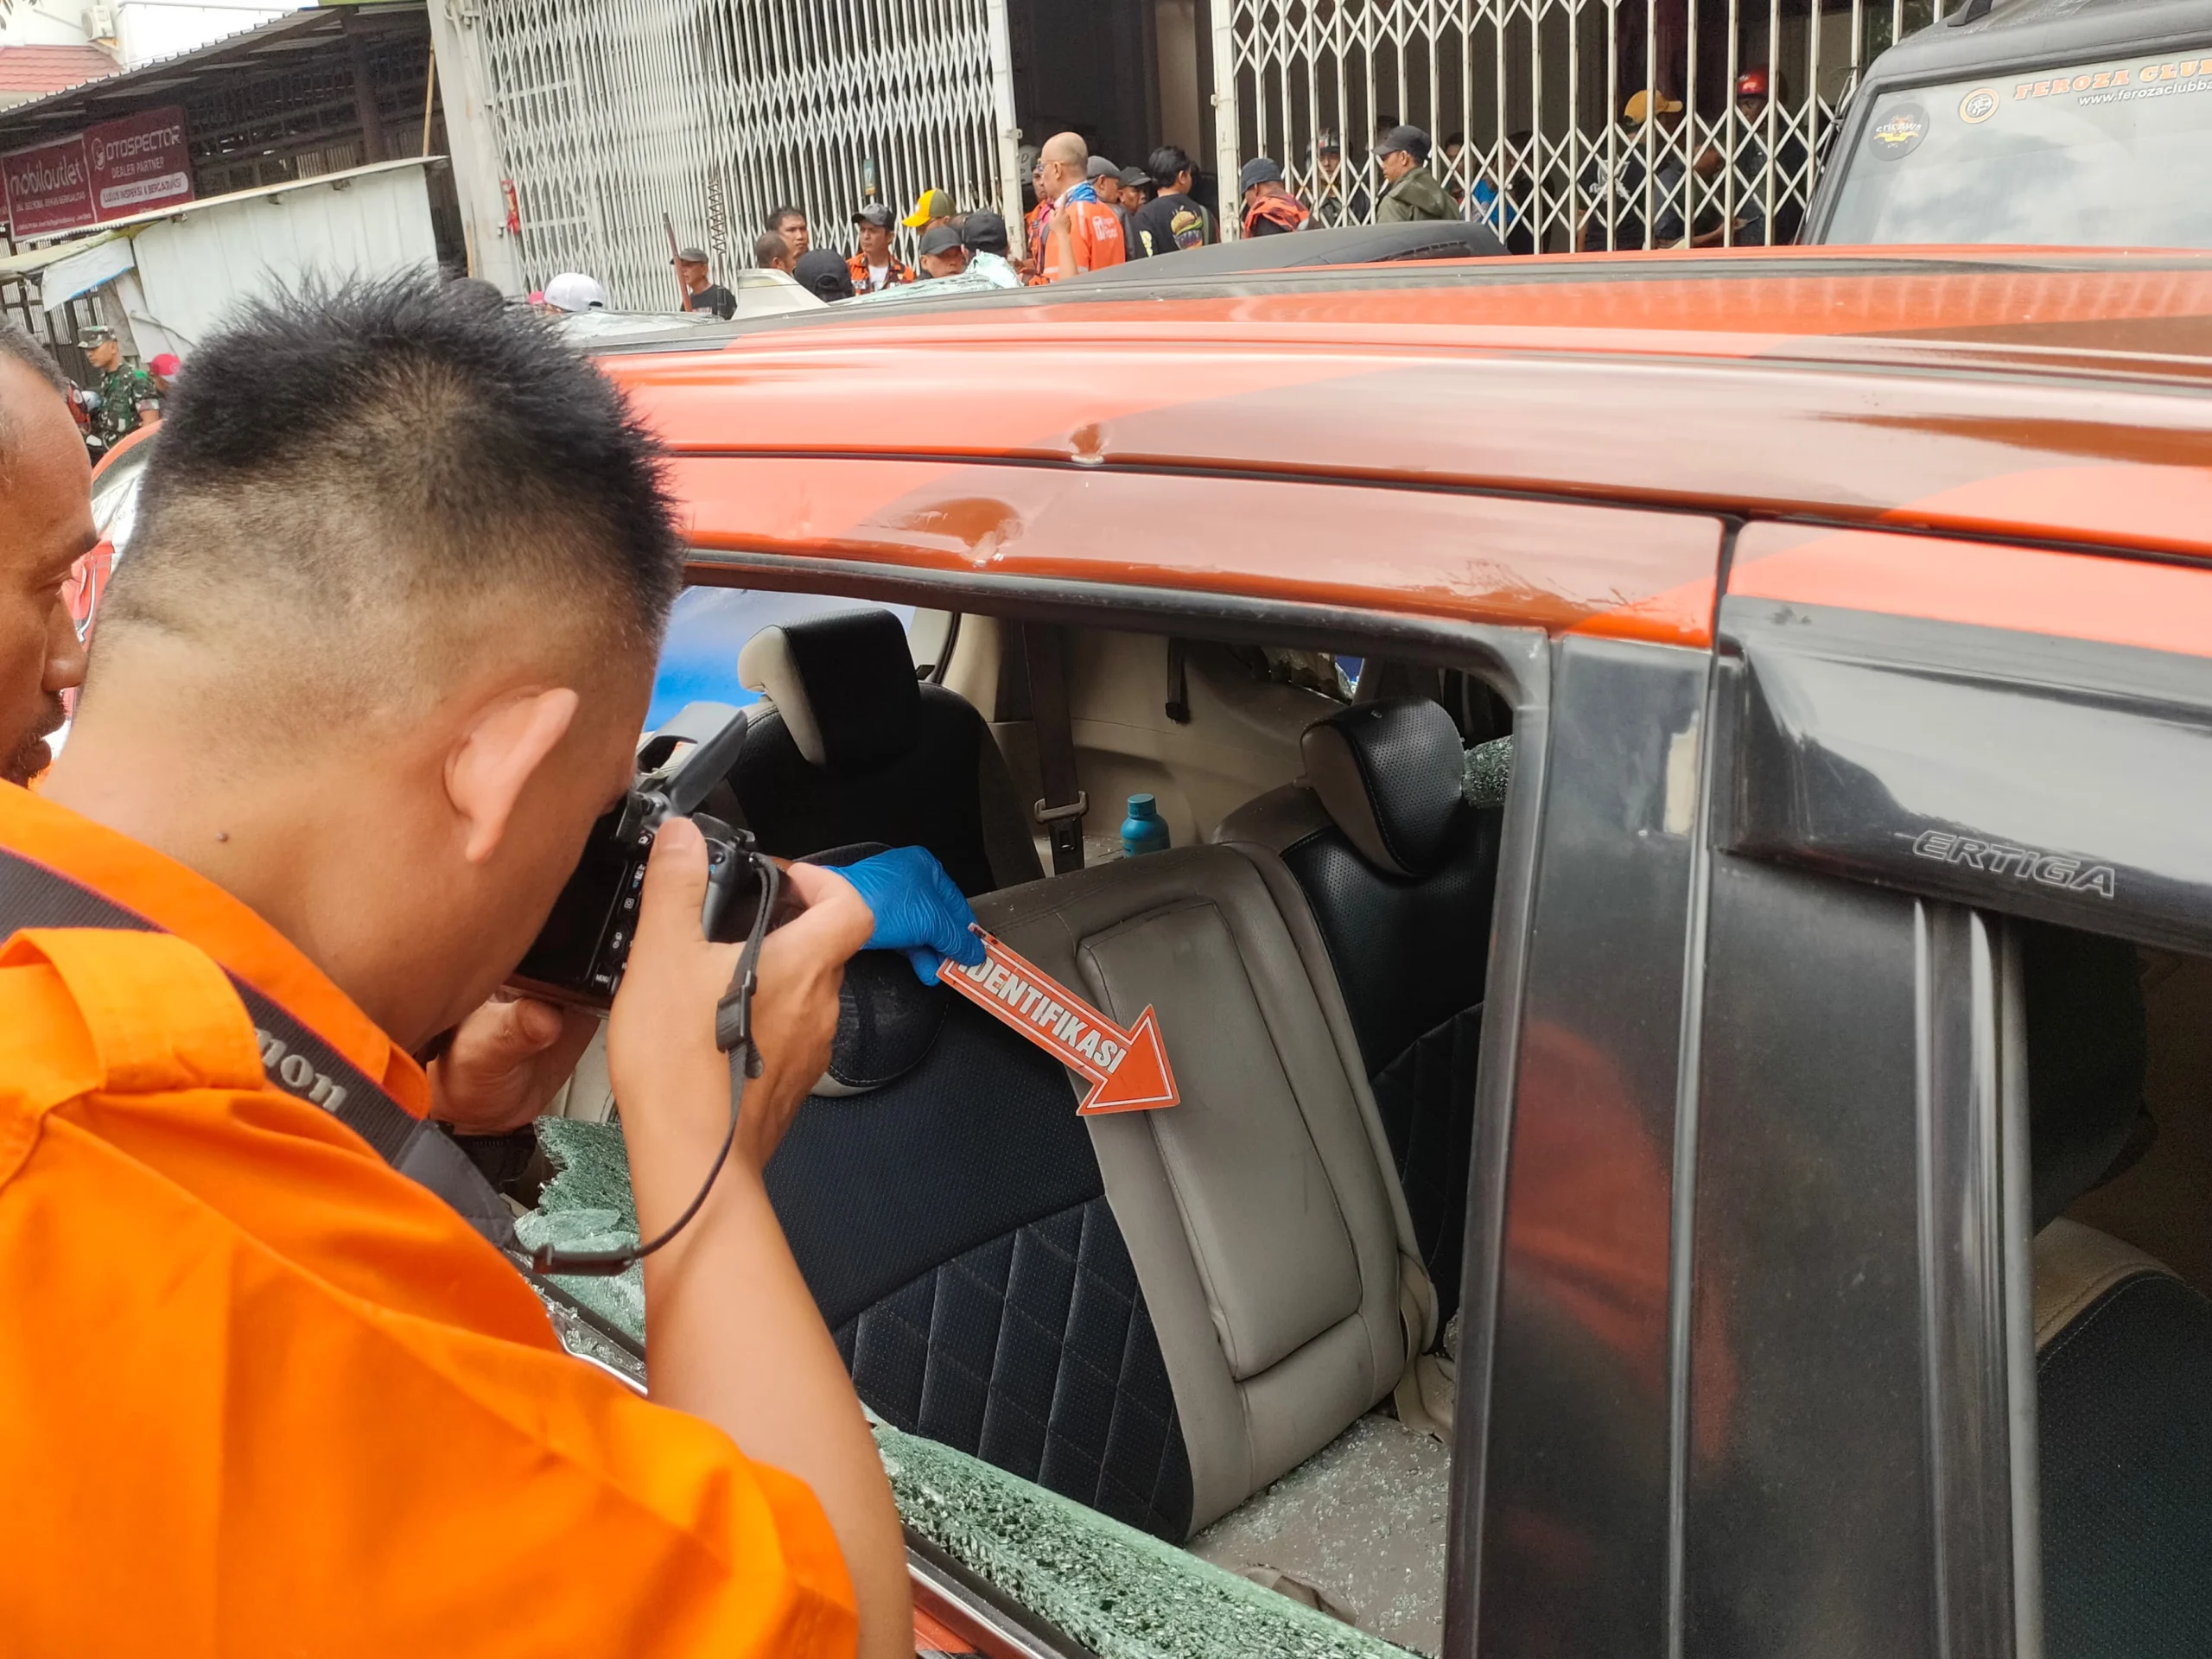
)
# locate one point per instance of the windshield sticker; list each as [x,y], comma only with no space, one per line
[1899,133]
[1978,106]
[2121,84]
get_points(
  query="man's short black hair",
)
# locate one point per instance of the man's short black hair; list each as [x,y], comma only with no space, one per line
[18,346]
[387,467]
[769,247]
[1168,164]
[777,215]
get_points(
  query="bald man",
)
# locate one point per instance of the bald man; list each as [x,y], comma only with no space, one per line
[45,526]
[1084,234]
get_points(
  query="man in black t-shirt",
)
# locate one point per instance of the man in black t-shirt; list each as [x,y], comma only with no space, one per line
[1173,219]
[1627,177]
[1751,95]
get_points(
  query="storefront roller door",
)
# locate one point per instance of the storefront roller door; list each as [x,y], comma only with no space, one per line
[607,114]
[1539,89]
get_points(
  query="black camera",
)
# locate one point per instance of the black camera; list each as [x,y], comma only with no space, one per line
[578,955]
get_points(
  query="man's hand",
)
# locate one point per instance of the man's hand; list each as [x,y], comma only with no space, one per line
[670,1078]
[916,909]
[735,1332]
[505,1061]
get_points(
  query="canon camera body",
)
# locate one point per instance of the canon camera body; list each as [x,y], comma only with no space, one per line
[578,955]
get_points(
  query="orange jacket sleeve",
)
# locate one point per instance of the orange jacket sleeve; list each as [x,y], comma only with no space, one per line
[260,1394]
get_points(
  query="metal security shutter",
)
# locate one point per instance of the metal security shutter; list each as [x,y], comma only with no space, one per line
[607,114]
[1538,88]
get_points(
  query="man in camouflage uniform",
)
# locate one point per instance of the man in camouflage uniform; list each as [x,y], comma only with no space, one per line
[122,388]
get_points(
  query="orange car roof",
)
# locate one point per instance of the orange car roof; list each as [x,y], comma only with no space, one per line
[2053,395]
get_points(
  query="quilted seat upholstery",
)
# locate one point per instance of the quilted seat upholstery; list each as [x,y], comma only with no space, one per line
[1034,1351]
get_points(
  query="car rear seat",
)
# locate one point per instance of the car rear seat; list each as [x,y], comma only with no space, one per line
[2123,1347]
[1156,1313]
[852,748]
[1400,873]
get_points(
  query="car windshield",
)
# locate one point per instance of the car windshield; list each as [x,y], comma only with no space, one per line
[2106,153]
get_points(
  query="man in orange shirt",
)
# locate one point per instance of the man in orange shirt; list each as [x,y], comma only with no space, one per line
[1082,234]
[376,661]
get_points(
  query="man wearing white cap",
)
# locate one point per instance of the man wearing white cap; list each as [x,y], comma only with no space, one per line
[573,291]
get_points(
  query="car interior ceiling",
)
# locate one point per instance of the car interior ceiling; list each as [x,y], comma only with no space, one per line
[1160,1314]
[1231,1324]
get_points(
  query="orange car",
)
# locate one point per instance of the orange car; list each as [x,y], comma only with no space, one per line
[1685,953]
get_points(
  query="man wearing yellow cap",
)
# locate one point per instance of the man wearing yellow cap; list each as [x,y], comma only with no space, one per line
[1615,188]
[932,207]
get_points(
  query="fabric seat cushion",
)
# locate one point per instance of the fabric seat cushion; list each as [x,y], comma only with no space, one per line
[2126,1455]
[1261,1213]
[952,1227]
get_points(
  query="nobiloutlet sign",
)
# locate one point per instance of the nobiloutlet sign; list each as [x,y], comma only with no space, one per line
[107,172]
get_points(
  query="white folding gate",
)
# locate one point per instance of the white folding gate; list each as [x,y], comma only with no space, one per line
[1536,92]
[606,115]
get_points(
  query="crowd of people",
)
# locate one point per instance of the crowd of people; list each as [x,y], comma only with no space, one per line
[1087,212]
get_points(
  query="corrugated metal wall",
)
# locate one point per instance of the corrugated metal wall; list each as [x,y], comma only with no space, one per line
[608,114]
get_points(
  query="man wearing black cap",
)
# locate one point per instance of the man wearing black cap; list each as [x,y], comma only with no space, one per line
[941,252]
[1410,191]
[1269,210]
[700,293]
[822,273]
[984,234]
[874,267]
[1137,189]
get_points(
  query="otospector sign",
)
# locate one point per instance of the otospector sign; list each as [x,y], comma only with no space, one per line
[138,163]
[111,171]
[1128,1070]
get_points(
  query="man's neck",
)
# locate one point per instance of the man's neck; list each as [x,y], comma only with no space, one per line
[275,839]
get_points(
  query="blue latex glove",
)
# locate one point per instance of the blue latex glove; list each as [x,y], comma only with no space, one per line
[918,912]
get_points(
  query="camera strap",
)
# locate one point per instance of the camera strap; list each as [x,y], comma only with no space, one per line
[297,1060]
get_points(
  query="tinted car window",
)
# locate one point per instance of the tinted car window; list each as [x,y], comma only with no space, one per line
[2106,153]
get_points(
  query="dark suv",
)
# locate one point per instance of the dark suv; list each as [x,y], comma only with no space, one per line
[2035,122]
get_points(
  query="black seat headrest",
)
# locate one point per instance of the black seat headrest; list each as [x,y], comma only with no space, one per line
[2088,1049]
[1390,774]
[844,684]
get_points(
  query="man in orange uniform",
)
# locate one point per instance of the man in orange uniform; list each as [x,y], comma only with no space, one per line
[874,267]
[376,661]
[1269,209]
[1084,234]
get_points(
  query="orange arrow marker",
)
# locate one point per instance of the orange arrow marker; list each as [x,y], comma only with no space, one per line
[1128,1069]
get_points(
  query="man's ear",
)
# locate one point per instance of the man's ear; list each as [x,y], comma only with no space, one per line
[495,757]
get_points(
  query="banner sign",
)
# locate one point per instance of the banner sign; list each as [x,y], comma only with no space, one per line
[50,188]
[111,171]
[138,163]
[1128,1069]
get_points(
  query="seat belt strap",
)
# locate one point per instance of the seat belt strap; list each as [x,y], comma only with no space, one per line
[297,1059]
[1061,811]
[1178,683]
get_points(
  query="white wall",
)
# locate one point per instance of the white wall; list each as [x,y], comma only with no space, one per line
[43,22]
[159,28]
[194,268]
